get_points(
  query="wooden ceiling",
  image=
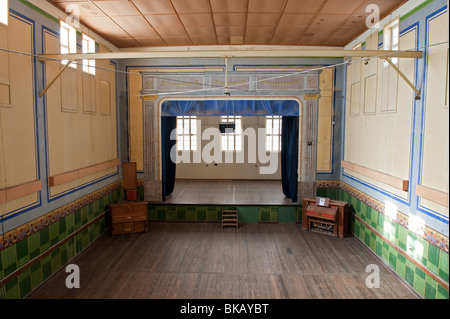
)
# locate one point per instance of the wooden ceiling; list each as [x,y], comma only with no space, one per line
[147,23]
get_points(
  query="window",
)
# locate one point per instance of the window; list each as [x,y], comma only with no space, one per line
[88,47]
[4,8]
[273,133]
[391,39]
[68,40]
[186,133]
[231,139]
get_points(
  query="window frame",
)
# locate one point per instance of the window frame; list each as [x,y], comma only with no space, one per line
[71,45]
[88,46]
[388,39]
[236,136]
[191,133]
[272,135]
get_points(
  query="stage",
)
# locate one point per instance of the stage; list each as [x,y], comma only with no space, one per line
[228,192]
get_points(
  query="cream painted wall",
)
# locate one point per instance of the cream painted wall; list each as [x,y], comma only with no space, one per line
[435,167]
[18,162]
[79,134]
[378,137]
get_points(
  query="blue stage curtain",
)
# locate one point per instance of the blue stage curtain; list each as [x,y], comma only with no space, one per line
[230,107]
[168,123]
[289,156]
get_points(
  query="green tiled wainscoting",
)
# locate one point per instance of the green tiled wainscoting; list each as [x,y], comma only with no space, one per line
[420,263]
[52,241]
[213,213]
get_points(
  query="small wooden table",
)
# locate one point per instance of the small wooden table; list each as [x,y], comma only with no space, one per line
[129,217]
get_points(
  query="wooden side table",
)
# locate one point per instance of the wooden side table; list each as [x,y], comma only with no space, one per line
[129,217]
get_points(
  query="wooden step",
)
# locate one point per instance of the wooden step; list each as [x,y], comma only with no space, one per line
[230,218]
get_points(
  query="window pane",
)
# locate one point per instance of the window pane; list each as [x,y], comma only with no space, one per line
[238,143]
[224,142]
[193,143]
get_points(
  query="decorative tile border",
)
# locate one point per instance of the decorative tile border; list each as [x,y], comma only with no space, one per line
[22,232]
[430,235]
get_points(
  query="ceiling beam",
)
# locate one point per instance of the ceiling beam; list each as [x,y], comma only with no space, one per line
[232,52]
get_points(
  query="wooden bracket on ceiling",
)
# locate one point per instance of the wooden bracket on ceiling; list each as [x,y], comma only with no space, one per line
[54,79]
[403,77]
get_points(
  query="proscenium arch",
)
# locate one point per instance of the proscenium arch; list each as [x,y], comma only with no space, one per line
[299,112]
[264,85]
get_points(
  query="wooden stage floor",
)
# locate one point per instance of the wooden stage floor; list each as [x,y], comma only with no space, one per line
[228,193]
[188,260]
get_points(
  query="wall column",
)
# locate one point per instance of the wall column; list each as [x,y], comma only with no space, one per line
[308,154]
[152,180]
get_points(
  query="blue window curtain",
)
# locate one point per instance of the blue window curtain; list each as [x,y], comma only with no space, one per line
[230,107]
[168,123]
[289,156]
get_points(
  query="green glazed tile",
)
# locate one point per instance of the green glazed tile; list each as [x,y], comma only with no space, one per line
[211,213]
[286,214]
[22,252]
[191,213]
[54,233]
[433,258]
[419,284]
[46,267]
[44,235]
[64,253]
[171,213]
[248,214]
[409,274]
[430,288]
[36,274]
[12,289]
[322,192]
[392,260]
[181,213]
[9,257]
[264,214]
[443,265]
[368,213]
[442,293]
[201,212]
[151,212]
[400,267]
[24,283]
[56,259]
[402,237]
[274,214]
[161,213]
[1,265]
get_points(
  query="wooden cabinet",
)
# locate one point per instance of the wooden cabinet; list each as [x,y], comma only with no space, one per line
[339,217]
[129,217]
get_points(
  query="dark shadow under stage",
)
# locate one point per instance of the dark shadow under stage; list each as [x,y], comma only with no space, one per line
[228,192]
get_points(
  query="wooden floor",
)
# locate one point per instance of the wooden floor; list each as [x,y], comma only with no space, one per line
[182,260]
[236,192]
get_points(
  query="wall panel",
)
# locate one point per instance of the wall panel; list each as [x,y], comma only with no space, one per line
[18,140]
[435,152]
